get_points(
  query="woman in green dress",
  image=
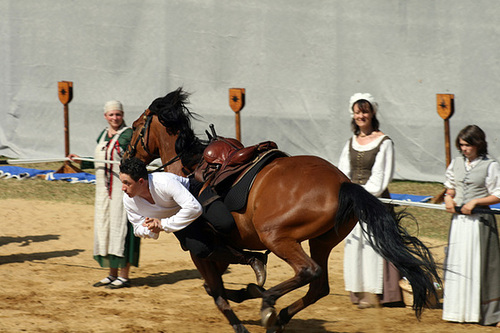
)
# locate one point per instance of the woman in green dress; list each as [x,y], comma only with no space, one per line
[115,245]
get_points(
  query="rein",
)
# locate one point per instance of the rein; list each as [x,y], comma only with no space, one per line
[145,127]
[178,158]
[173,160]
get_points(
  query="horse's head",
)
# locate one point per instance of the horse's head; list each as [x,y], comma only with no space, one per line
[164,130]
[143,145]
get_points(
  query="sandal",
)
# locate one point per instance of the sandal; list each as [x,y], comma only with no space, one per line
[365,305]
[119,283]
[104,282]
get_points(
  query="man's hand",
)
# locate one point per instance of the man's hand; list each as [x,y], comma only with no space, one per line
[153,225]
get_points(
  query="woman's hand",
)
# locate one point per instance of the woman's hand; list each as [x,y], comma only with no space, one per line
[449,202]
[468,207]
[72,157]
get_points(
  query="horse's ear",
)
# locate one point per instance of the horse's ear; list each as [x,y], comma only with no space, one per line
[208,135]
[212,128]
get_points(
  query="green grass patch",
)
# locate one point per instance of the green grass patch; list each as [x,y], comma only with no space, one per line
[431,223]
[40,189]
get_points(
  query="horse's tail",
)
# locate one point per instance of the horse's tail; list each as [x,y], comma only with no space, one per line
[410,256]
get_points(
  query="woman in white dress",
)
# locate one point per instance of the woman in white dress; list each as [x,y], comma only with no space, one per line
[368,159]
[472,266]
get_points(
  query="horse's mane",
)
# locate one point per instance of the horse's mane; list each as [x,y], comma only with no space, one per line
[173,113]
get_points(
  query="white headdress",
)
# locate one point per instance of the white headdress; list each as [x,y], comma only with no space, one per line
[113,106]
[366,96]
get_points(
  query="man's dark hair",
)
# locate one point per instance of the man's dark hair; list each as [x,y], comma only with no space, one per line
[135,168]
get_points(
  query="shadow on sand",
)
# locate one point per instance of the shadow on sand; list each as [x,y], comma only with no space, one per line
[300,325]
[27,240]
[23,257]
[161,278]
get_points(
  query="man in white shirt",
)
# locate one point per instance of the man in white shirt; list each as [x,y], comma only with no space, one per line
[161,201]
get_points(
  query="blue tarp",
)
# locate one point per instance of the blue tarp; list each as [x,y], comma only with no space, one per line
[410,197]
[22,173]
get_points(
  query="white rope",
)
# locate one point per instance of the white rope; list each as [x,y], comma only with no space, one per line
[55,159]
[384,200]
[28,161]
[149,167]
[423,204]
[94,160]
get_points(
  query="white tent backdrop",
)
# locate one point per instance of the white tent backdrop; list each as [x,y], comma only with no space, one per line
[299,62]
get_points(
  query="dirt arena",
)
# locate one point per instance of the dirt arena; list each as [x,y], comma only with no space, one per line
[47,272]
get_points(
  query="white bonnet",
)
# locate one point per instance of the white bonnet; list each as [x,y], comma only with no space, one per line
[366,96]
[113,106]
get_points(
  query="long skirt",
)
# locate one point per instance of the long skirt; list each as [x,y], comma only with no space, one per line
[472,271]
[365,271]
[130,255]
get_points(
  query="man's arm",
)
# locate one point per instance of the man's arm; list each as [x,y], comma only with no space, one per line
[190,207]
[138,221]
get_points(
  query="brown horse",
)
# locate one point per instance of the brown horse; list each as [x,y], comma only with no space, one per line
[293,199]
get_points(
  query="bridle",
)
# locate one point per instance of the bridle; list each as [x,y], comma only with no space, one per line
[143,138]
[132,148]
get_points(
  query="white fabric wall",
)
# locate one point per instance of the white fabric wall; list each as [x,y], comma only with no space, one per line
[299,61]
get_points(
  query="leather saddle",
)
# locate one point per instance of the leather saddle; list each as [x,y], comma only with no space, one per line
[227,158]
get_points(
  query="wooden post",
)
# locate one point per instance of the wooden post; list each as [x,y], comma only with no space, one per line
[445,109]
[237,102]
[65,92]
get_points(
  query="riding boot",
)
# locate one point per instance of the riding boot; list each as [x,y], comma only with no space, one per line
[230,255]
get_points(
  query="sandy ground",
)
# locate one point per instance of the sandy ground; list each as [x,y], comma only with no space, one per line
[47,272]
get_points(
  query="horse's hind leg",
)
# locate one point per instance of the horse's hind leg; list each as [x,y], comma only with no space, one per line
[306,270]
[320,249]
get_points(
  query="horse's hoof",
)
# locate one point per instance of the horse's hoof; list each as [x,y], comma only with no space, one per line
[268,317]
[254,290]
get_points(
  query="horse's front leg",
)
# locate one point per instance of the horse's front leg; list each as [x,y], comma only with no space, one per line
[214,286]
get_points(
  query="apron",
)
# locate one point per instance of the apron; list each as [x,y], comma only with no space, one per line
[110,218]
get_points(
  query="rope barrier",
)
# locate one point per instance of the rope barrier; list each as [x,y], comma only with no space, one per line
[437,206]
[57,159]
[29,161]
[384,200]
[54,159]
[94,160]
